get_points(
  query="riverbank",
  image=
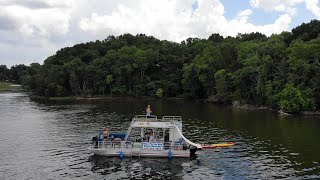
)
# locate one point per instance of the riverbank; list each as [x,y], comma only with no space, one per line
[238,105]
[10,87]
[6,86]
[83,98]
[101,98]
[233,105]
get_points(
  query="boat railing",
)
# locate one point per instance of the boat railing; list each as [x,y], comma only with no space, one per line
[172,118]
[129,145]
[174,146]
[143,118]
[107,144]
[167,146]
[178,146]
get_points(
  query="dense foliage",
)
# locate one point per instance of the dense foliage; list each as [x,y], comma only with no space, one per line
[281,71]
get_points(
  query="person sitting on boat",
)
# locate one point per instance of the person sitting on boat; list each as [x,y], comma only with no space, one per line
[152,137]
[116,139]
[146,137]
[148,111]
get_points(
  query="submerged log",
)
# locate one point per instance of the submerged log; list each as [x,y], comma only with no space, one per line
[282,113]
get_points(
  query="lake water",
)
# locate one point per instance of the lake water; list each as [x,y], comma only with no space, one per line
[49,140]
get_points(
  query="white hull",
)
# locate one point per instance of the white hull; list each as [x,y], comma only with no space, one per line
[139,152]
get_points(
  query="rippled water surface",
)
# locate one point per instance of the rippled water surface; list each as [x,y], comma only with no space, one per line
[49,140]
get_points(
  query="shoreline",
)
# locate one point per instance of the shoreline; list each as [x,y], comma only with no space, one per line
[10,87]
[233,105]
[103,98]
[237,105]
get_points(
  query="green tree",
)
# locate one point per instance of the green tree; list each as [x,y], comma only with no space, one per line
[292,99]
[159,92]
[4,73]
[224,86]
[109,81]
[251,68]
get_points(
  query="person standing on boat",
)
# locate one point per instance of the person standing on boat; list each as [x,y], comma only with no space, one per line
[105,133]
[148,110]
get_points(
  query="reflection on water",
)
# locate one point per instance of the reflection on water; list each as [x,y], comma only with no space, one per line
[144,168]
[50,139]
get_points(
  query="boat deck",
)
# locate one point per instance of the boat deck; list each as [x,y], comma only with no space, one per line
[136,149]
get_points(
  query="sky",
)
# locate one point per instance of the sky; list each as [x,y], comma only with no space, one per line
[32,30]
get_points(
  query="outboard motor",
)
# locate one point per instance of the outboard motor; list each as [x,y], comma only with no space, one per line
[193,151]
[95,141]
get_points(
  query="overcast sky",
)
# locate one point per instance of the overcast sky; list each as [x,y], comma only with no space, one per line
[31,30]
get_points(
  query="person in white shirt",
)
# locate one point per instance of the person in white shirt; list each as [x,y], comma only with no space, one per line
[152,137]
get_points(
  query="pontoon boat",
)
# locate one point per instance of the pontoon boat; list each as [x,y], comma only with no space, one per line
[147,137]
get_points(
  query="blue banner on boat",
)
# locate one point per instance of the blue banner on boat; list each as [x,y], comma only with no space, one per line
[153,146]
[119,135]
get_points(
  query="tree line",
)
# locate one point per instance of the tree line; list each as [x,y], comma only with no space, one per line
[281,71]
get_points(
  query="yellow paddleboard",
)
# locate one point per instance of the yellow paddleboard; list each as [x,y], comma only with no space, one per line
[223,144]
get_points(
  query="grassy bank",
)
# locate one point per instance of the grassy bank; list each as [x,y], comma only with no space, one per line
[5,86]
